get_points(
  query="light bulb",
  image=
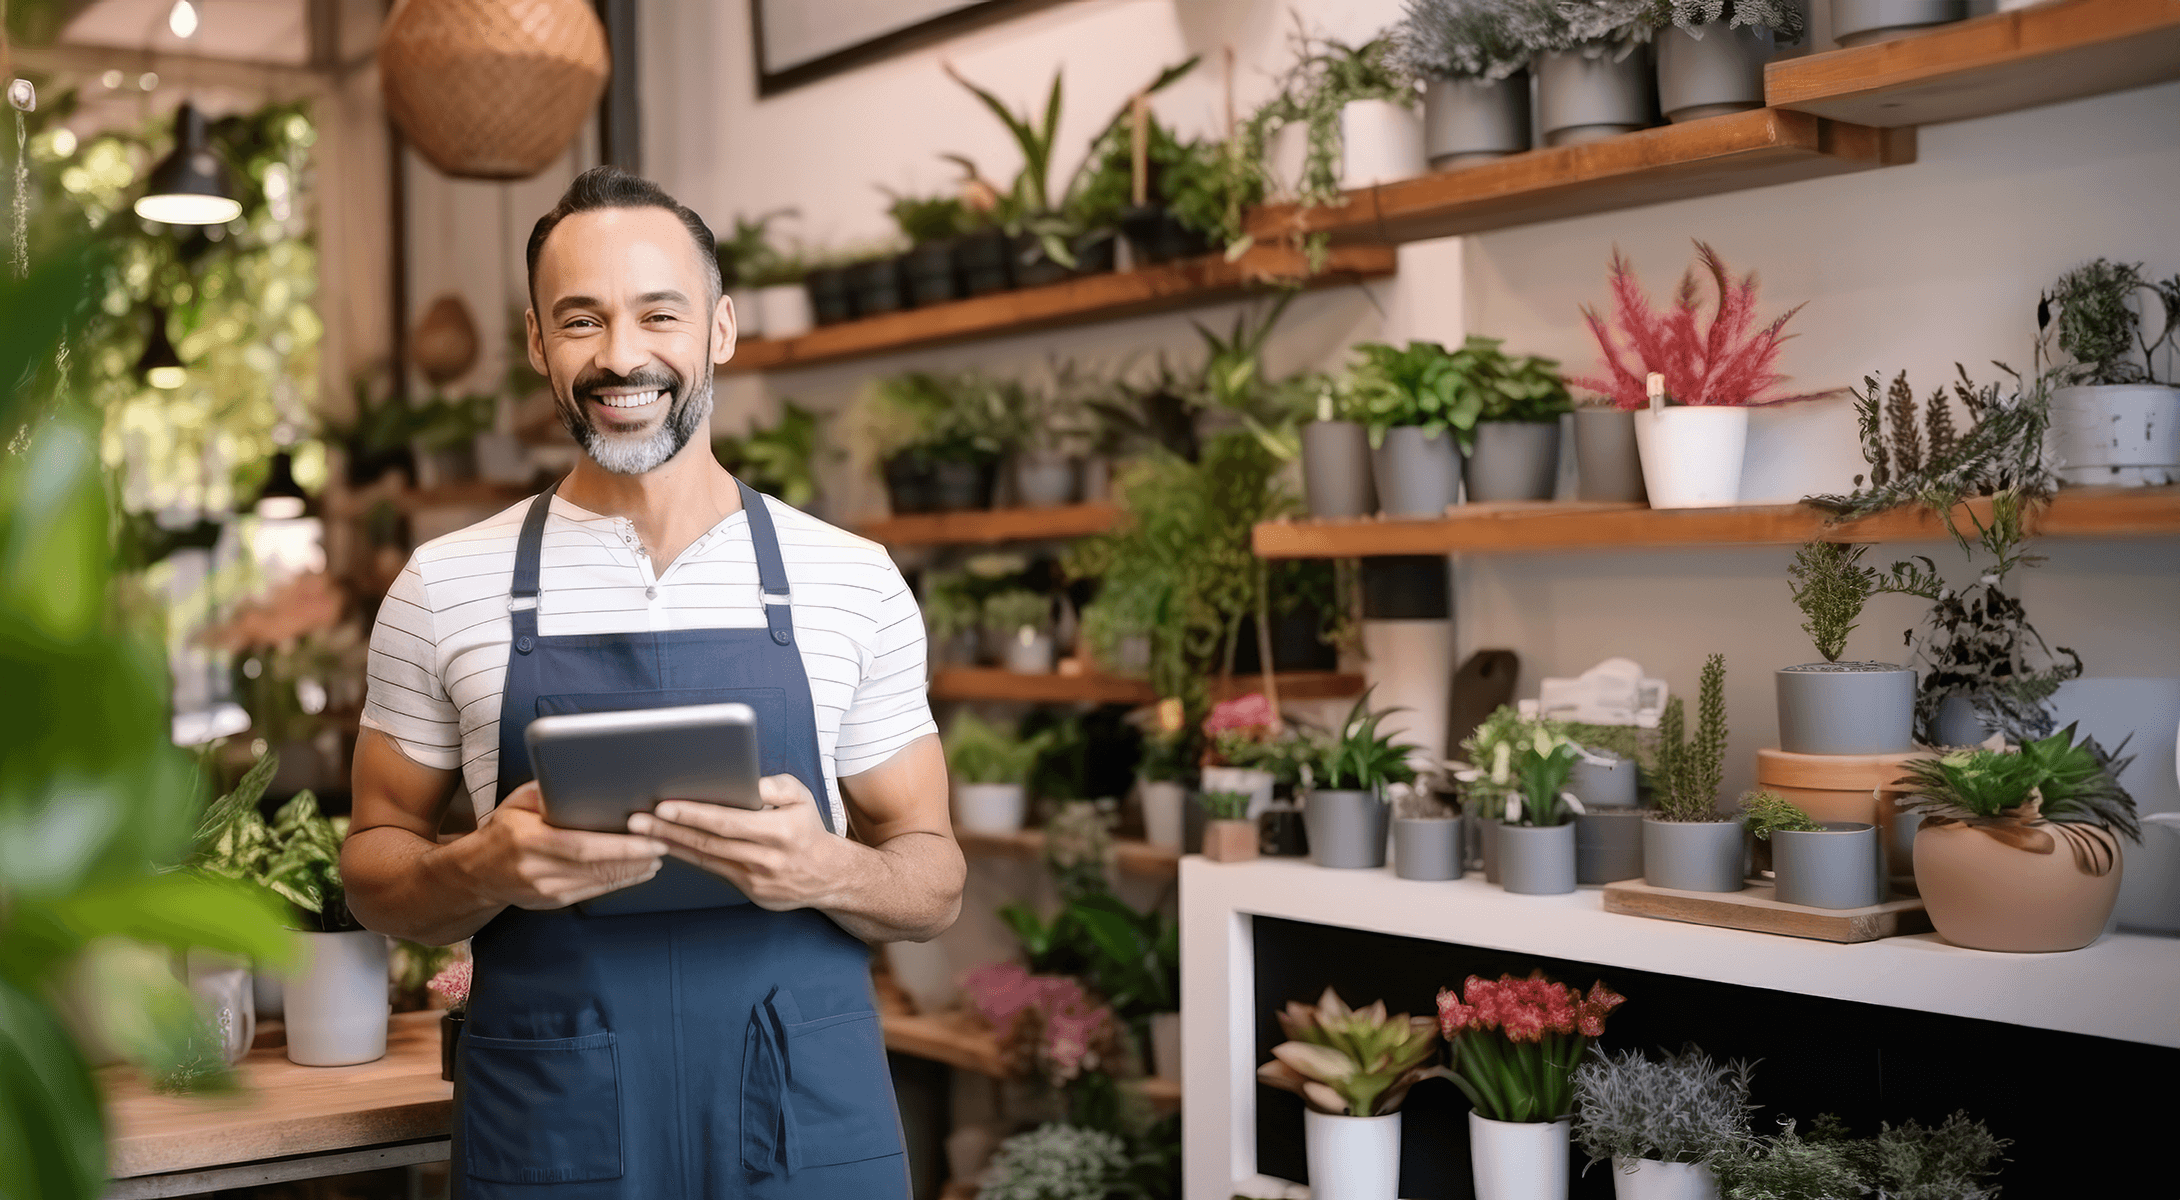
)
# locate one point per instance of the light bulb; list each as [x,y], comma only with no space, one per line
[166,379]
[188,208]
[183,19]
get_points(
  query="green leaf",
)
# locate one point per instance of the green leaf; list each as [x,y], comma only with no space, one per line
[182,909]
[52,1138]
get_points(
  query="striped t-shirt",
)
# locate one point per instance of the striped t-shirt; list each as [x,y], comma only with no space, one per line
[439,651]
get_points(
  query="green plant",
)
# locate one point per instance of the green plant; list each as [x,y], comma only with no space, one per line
[1417,386]
[780,460]
[1516,1042]
[1489,752]
[926,219]
[1227,806]
[1916,455]
[1789,1166]
[1016,609]
[1350,1062]
[1056,1162]
[980,752]
[1683,1108]
[961,417]
[1690,768]
[2060,780]
[1783,17]
[2100,329]
[1326,76]
[1513,389]
[747,257]
[1953,1160]
[297,856]
[1831,585]
[1486,40]
[1358,758]
[1766,813]
[1540,773]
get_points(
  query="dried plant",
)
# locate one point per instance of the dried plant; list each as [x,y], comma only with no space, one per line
[1690,769]
[1831,585]
[1950,1161]
[1685,1108]
[1596,27]
[2099,326]
[1728,360]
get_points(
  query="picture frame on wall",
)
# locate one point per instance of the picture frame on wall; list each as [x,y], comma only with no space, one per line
[801,41]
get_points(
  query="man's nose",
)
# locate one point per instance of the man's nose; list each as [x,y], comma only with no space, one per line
[622,351]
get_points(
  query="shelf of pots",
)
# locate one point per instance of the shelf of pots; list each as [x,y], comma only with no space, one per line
[1979,67]
[976,528]
[994,683]
[1131,856]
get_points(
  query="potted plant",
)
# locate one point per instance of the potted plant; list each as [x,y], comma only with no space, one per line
[1487,779]
[1164,772]
[1412,403]
[2113,420]
[1690,384]
[1536,837]
[1985,668]
[1607,465]
[1593,71]
[1515,1045]
[1337,480]
[1835,707]
[1045,243]
[1825,1165]
[983,254]
[875,283]
[990,768]
[2019,850]
[1868,22]
[1047,461]
[1426,836]
[1345,808]
[1687,843]
[1473,56]
[1019,623]
[1820,864]
[1352,1068]
[778,460]
[451,984]
[1229,834]
[832,294]
[1057,1161]
[1711,53]
[939,438]
[748,262]
[1512,449]
[1957,1157]
[1661,1122]
[931,224]
[1344,118]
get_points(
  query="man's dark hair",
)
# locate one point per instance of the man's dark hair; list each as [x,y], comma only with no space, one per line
[611,187]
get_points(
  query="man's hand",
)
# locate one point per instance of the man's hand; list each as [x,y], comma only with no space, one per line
[520,860]
[780,856]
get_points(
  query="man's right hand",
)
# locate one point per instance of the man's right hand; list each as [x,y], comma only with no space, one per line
[516,859]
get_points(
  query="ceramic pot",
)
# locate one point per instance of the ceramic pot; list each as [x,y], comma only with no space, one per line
[1513,460]
[749,312]
[1028,651]
[1380,142]
[928,274]
[959,485]
[831,299]
[1427,847]
[1032,266]
[1230,841]
[1044,480]
[1607,466]
[1336,473]
[1649,1179]
[1837,868]
[1537,860]
[925,971]
[1155,235]
[874,287]
[336,1003]
[450,1042]
[1417,476]
[1285,159]
[982,261]
[222,988]
[1487,848]
[1518,1160]
[1692,454]
[1848,787]
[1162,800]
[270,995]
[910,484]
[2145,714]
[1987,895]
[1608,845]
[1694,856]
[1474,120]
[1583,99]
[2120,435]
[1093,251]
[1715,71]
[1611,784]
[1346,828]
[1352,1158]
[2149,888]
[784,311]
[1846,708]
[990,807]
[1166,1045]
[1866,22]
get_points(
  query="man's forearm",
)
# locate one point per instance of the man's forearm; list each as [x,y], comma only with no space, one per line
[906,889]
[398,883]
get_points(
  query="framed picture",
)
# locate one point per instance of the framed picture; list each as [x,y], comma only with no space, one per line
[799,41]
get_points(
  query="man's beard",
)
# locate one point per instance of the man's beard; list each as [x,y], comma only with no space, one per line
[636,453]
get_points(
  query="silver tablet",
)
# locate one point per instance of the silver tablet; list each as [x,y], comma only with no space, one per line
[594,769]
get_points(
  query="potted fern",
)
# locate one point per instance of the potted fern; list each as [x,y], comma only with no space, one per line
[1593,71]
[1711,53]
[1473,56]
[1687,843]
[1661,1123]
[1536,838]
[990,768]
[1412,403]
[2114,418]
[1515,1045]
[1345,809]
[1819,864]
[1835,707]
[1352,1068]
[1513,450]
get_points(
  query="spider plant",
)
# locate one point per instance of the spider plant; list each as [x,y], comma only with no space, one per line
[1358,758]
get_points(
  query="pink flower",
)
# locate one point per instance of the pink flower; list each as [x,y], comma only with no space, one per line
[452,982]
[1524,1010]
[1729,361]
[1241,714]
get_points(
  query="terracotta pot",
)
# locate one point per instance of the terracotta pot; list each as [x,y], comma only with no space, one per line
[1230,841]
[1985,894]
[1847,787]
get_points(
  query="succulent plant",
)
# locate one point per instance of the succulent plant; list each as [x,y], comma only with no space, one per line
[1350,1062]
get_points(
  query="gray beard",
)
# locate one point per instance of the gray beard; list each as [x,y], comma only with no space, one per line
[641,453]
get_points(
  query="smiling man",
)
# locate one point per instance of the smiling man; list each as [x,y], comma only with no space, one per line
[721,1051]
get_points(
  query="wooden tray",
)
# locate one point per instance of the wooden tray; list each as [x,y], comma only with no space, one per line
[1754,909]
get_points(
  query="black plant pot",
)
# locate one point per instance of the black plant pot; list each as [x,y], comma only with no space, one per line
[958,485]
[1295,644]
[450,1039]
[875,287]
[1032,266]
[983,263]
[831,300]
[928,273]
[1158,236]
[910,486]
[1094,251]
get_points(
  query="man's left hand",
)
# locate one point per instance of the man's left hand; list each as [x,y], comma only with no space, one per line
[780,856]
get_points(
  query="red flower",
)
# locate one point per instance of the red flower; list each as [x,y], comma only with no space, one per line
[1524,1010]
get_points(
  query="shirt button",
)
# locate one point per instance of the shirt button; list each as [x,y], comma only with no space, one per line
[650,593]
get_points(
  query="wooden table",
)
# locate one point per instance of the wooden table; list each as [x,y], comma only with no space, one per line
[288,1122]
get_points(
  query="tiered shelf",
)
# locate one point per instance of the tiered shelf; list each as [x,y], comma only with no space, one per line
[992,525]
[1131,856]
[962,1041]
[2076,512]
[1993,64]
[993,683]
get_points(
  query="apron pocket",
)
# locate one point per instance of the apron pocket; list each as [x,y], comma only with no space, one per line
[815,1093]
[541,1110]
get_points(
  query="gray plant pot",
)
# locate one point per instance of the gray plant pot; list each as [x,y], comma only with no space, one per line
[1865,22]
[1346,828]
[1719,72]
[1582,99]
[1608,845]
[1838,868]
[1044,480]
[1694,856]
[1537,860]
[1608,786]
[1487,849]
[1846,708]
[1513,460]
[1427,847]
[1470,120]
[1417,476]
[1336,469]
[2120,435]
[1957,723]
[1608,467]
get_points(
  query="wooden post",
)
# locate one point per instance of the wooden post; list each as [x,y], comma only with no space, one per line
[1140,115]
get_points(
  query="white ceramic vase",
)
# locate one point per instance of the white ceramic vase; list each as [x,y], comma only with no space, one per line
[1356,1158]
[784,310]
[1029,651]
[1518,1160]
[1692,454]
[1649,1179]
[1380,142]
[336,1002]
[989,807]
[1162,805]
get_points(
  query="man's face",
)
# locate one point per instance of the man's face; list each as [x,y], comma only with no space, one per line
[626,331]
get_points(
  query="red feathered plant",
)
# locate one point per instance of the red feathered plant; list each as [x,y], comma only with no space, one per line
[1726,362]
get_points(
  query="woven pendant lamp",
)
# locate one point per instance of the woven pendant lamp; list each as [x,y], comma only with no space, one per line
[492,89]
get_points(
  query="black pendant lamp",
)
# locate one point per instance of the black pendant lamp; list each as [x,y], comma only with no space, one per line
[283,498]
[160,366]
[189,186]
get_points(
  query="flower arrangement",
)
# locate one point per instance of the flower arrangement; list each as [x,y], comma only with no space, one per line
[1516,1042]
[1048,1023]
[1057,1162]
[2056,783]
[1690,767]
[1487,40]
[1350,1062]
[1684,1108]
[452,985]
[1728,360]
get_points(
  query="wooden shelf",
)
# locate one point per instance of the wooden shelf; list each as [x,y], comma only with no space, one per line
[1993,64]
[1075,302]
[1132,856]
[993,683]
[2076,512]
[992,525]
[1671,162]
[957,1039]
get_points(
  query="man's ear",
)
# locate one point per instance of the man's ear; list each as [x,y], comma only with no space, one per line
[726,323]
[534,341]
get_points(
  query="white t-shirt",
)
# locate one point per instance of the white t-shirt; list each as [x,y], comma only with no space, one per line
[439,650]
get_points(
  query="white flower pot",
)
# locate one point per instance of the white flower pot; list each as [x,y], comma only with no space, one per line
[1162,803]
[1029,652]
[749,312]
[1518,1160]
[336,1002]
[1380,142]
[1166,1045]
[1692,454]
[221,985]
[1356,1158]
[2125,435]
[925,972]
[784,310]
[989,807]
[1649,1179]
[1285,159]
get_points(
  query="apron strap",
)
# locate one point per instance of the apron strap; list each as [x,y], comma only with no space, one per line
[520,687]
[771,573]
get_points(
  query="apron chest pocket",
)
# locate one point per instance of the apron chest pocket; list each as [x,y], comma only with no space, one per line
[541,1110]
[815,1093]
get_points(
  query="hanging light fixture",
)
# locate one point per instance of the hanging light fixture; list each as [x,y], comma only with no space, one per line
[283,498]
[189,186]
[160,366]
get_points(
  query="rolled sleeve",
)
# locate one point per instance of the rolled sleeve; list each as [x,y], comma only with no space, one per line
[891,707]
[405,697]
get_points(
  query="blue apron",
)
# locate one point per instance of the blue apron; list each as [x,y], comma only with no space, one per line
[715,1052]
